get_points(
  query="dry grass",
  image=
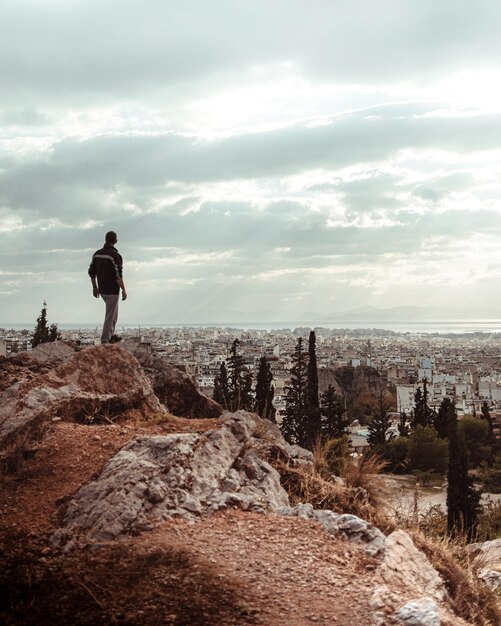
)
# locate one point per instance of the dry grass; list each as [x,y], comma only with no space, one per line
[304,483]
[364,472]
[330,456]
[360,492]
[471,599]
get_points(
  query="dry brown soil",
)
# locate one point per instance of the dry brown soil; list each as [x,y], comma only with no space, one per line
[230,568]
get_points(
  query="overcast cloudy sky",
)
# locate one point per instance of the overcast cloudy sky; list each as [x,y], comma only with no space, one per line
[259,159]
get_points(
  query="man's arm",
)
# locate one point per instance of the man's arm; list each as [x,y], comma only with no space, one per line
[122,287]
[95,288]
[92,274]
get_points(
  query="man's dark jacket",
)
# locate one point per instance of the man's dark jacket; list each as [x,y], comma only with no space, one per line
[107,266]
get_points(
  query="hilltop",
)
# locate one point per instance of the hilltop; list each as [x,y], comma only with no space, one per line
[128,497]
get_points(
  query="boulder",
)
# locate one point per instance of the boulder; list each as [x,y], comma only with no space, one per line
[95,381]
[180,475]
[173,387]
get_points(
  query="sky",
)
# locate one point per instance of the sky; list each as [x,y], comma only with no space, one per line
[259,160]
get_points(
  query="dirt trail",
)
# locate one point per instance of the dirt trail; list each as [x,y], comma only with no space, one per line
[229,568]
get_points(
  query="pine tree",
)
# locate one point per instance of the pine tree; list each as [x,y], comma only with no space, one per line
[313,423]
[462,498]
[404,429]
[423,414]
[334,425]
[295,401]
[265,391]
[246,396]
[379,425]
[442,418]
[42,333]
[221,392]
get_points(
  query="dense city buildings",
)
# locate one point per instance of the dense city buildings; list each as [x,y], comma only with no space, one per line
[465,368]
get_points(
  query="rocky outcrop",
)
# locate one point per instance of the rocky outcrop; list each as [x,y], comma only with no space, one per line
[487,560]
[24,366]
[102,380]
[173,387]
[341,525]
[351,381]
[409,591]
[181,475]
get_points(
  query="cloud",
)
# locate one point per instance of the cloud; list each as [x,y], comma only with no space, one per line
[253,157]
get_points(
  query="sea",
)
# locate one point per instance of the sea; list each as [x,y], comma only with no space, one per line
[448,327]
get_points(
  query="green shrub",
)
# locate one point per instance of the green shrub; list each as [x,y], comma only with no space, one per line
[427,451]
[396,453]
[476,437]
[491,476]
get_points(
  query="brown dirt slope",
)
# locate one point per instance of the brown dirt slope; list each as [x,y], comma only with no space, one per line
[230,568]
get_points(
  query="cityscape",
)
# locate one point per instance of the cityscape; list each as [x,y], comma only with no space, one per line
[465,368]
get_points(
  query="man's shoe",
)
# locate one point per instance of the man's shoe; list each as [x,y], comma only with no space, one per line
[115,339]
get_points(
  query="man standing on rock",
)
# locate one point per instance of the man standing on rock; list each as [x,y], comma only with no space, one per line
[106,266]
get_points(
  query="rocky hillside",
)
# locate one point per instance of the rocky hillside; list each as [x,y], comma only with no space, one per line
[129,498]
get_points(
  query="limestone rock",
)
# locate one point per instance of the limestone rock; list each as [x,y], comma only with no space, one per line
[345,525]
[179,475]
[94,380]
[403,564]
[173,387]
[422,612]
[409,591]
[487,558]
[53,351]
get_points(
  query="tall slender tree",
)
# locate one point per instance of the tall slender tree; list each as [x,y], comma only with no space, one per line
[442,417]
[379,424]
[313,422]
[462,497]
[293,423]
[334,424]
[235,377]
[221,392]
[422,414]
[265,391]
[486,415]
[404,428]
[246,396]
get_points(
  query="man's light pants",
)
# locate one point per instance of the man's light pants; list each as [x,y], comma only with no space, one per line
[110,317]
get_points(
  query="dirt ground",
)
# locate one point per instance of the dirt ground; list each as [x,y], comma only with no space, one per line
[229,568]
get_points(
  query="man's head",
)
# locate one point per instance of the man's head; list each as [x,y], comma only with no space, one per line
[111,237]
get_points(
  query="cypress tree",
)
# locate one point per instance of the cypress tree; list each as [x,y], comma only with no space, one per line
[486,415]
[379,425]
[332,412]
[313,424]
[265,391]
[235,377]
[295,401]
[462,498]
[442,418]
[221,393]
